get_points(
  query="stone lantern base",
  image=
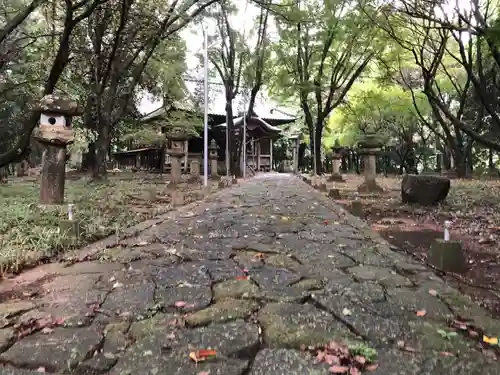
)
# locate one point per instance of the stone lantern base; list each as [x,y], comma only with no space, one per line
[370,186]
[336,178]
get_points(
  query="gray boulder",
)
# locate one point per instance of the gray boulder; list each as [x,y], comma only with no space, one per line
[426,190]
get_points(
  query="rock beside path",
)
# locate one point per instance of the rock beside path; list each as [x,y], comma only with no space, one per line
[426,190]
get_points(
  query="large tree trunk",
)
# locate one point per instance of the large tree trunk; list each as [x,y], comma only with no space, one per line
[317,146]
[99,171]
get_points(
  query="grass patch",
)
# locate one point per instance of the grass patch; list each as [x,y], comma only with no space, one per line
[30,233]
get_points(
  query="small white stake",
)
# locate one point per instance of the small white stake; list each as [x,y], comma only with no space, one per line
[356,196]
[70,211]
[447,226]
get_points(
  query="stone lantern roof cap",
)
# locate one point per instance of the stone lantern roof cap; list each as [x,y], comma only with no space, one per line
[370,141]
[182,132]
[213,145]
[57,104]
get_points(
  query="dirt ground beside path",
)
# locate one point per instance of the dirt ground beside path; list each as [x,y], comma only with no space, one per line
[473,206]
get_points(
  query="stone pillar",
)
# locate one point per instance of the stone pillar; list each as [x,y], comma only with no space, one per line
[55,134]
[176,152]
[270,155]
[212,155]
[369,148]
[195,168]
[175,168]
[258,155]
[186,155]
[336,159]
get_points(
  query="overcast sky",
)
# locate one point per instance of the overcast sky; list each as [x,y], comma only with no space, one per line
[193,36]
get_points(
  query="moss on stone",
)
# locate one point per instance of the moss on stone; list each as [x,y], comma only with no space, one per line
[222,311]
[235,289]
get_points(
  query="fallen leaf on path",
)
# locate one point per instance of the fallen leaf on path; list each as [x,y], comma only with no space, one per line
[47,330]
[241,277]
[202,355]
[346,312]
[338,369]
[421,312]
[180,304]
[472,333]
[459,324]
[447,354]
[433,292]
[490,340]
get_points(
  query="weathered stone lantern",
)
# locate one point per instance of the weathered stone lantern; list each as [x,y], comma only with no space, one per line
[177,138]
[369,146]
[212,155]
[55,134]
[337,152]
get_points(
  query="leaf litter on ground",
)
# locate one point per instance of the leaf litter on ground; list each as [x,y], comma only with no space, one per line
[342,359]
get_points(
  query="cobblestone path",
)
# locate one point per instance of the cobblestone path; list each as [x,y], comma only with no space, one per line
[315,274]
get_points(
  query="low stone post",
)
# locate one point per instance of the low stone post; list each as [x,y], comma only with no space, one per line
[336,159]
[195,169]
[177,139]
[176,153]
[55,134]
[212,155]
[368,148]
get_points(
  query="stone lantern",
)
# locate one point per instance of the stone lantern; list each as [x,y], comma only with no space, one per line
[55,134]
[177,138]
[369,146]
[337,152]
[212,155]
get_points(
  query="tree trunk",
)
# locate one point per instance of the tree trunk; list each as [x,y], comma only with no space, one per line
[317,146]
[99,170]
[53,174]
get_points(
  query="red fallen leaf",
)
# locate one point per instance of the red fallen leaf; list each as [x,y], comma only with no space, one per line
[206,353]
[421,312]
[371,367]
[241,277]
[338,369]
[202,355]
[59,321]
[325,222]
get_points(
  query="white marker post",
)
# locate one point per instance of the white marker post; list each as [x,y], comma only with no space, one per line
[70,211]
[447,226]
